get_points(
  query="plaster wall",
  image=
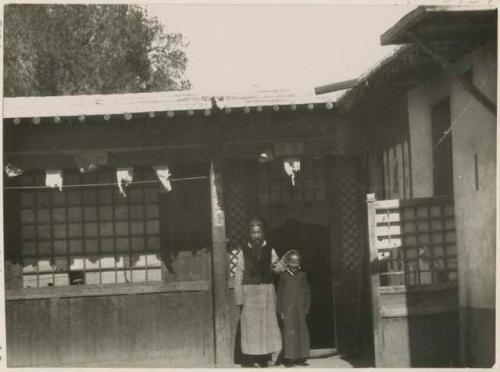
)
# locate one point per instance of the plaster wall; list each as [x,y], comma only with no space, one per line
[474,140]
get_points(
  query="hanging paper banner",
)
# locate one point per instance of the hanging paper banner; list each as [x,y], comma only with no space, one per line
[289,148]
[163,174]
[292,167]
[54,179]
[91,160]
[13,171]
[124,178]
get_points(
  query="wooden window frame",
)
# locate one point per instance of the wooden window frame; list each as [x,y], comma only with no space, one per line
[84,206]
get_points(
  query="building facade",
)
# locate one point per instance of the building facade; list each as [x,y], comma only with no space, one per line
[101,276]
[141,274]
[429,112]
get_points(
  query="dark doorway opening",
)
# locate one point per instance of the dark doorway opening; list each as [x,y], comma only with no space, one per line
[442,148]
[297,216]
[312,241]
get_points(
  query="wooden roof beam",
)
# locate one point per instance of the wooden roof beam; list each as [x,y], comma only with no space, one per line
[150,115]
[334,87]
[449,68]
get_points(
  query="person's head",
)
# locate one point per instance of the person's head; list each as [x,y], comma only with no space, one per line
[256,231]
[293,261]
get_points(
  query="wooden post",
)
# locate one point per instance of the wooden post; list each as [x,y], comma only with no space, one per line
[374,279]
[334,213]
[221,306]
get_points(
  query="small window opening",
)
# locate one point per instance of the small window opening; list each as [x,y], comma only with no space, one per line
[442,144]
[76,278]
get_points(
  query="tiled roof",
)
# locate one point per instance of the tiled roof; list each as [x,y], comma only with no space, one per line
[112,104]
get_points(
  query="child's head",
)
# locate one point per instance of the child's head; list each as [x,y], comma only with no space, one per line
[293,261]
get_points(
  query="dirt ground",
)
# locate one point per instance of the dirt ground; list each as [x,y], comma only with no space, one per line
[330,361]
[324,362]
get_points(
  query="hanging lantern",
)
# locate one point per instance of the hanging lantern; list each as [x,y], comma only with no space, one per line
[266,156]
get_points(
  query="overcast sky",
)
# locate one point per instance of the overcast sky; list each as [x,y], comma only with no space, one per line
[240,47]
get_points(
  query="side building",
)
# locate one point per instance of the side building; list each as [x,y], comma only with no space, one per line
[429,115]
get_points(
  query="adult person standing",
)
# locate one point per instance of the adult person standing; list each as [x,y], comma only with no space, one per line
[255,292]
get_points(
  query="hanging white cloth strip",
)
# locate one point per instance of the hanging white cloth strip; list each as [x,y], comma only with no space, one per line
[54,178]
[292,167]
[13,171]
[163,174]
[124,177]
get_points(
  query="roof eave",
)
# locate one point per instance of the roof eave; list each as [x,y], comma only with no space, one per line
[151,103]
[397,34]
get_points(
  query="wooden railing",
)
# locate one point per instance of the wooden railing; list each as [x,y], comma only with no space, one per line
[414,285]
[413,241]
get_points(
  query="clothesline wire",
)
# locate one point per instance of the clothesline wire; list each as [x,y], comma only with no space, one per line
[102,184]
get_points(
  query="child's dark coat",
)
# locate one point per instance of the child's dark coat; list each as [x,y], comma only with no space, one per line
[293,302]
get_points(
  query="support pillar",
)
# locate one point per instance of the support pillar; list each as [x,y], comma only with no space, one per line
[220,267]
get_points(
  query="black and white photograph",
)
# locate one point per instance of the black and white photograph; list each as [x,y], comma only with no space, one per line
[242,184]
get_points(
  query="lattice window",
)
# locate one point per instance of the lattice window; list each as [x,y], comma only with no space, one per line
[416,242]
[350,233]
[236,212]
[90,235]
[236,175]
[348,237]
[274,185]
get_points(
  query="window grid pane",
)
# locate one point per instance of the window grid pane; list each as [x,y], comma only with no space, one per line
[416,245]
[90,235]
[274,186]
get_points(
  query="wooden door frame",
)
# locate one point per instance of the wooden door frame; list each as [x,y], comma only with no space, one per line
[374,279]
[221,308]
[335,186]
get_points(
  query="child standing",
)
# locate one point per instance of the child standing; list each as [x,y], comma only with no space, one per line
[293,305]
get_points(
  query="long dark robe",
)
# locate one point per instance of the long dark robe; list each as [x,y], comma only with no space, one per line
[294,300]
